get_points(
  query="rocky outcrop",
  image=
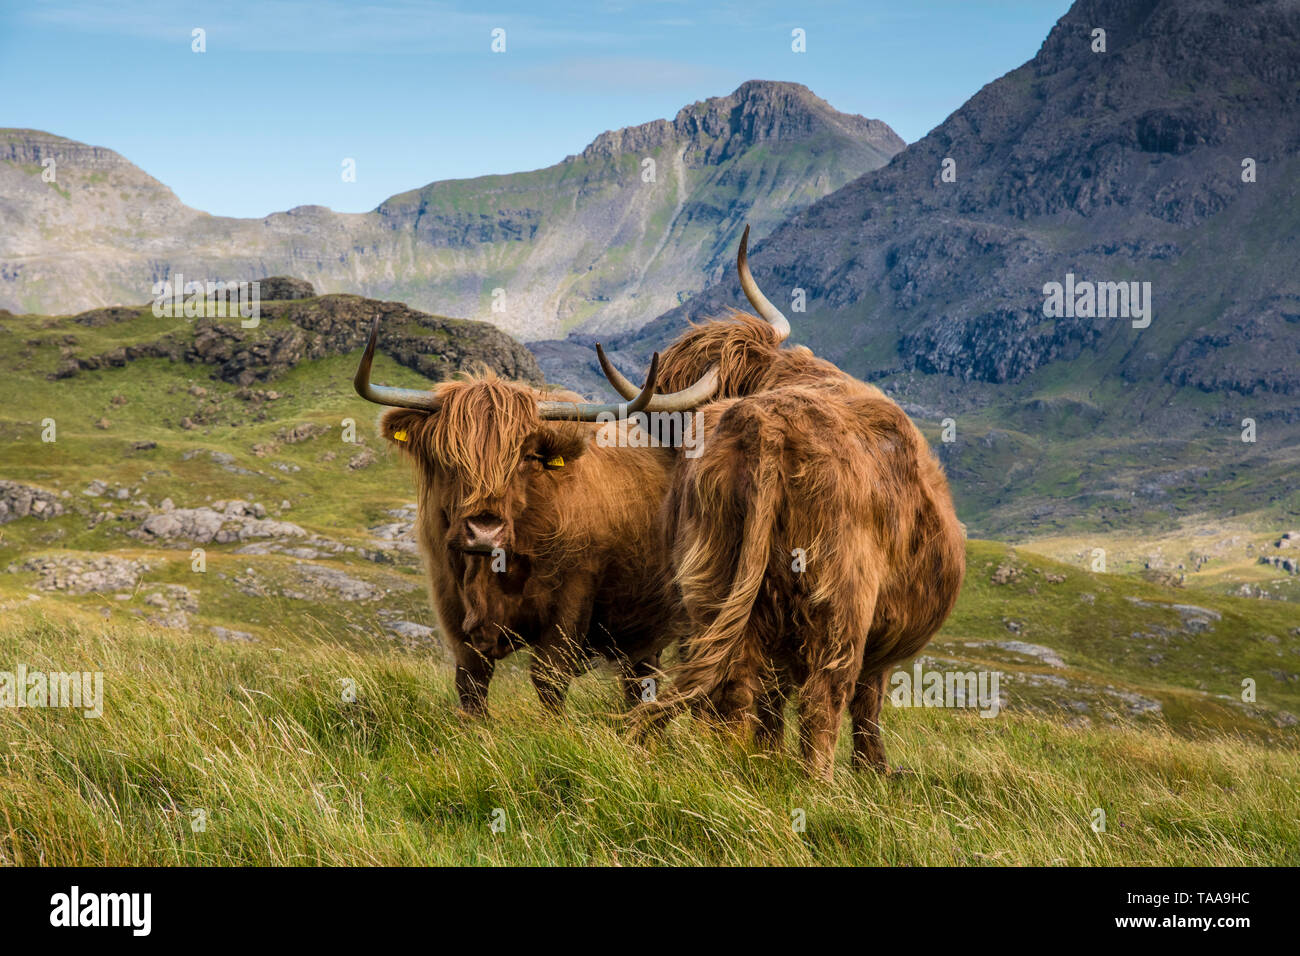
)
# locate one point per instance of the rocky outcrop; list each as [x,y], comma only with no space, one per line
[235,521]
[282,288]
[1044,654]
[22,501]
[412,633]
[170,605]
[1289,565]
[83,574]
[295,330]
[317,580]
[397,535]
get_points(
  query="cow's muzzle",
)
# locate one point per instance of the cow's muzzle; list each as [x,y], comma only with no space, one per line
[482,534]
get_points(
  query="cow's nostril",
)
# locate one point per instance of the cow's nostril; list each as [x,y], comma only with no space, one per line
[485,525]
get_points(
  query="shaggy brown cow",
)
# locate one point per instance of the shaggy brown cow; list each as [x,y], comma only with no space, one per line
[814,542]
[533,532]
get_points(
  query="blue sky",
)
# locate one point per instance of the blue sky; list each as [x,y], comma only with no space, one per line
[412,91]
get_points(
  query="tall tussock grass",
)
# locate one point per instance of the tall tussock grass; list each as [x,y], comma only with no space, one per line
[306,751]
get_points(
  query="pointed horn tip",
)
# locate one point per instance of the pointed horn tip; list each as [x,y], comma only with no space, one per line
[605,365]
[384,394]
[652,374]
[754,294]
[642,401]
[371,340]
[361,379]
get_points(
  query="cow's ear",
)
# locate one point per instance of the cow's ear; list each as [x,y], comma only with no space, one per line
[401,426]
[562,444]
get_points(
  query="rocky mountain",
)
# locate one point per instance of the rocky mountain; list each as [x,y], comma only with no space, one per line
[294,326]
[606,239]
[1169,157]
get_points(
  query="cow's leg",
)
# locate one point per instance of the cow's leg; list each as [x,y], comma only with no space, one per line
[560,654]
[733,705]
[770,732]
[473,673]
[633,673]
[868,698]
[822,701]
[555,664]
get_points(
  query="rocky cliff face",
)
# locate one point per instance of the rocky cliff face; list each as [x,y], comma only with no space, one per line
[724,127]
[603,240]
[298,327]
[1118,165]
[1172,158]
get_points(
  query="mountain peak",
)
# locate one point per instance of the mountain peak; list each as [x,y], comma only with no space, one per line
[579,244]
[714,129]
[1136,159]
[33,146]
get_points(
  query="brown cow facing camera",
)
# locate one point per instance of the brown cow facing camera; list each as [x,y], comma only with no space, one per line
[533,531]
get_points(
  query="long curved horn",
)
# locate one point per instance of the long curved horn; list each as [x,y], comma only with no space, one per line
[755,295]
[386,394]
[682,401]
[587,412]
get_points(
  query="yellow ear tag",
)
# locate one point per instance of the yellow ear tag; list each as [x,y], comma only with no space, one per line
[556,462]
[399,436]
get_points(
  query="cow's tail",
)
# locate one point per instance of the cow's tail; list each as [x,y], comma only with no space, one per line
[726,655]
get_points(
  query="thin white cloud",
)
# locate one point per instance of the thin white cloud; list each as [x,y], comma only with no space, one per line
[319,26]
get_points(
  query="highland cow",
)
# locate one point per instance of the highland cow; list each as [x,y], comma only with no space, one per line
[814,542]
[533,532]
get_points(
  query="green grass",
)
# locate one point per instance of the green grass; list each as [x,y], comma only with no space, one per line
[259,737]
[289,773]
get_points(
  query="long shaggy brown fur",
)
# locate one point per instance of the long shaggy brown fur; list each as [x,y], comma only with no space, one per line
[747,355]
[814,543]
[582,579]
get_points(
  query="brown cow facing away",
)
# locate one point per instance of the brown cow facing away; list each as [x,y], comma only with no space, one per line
[815,547]
[533,532]
[814,542]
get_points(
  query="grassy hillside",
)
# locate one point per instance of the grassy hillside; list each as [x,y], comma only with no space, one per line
[259,738]
[223,686]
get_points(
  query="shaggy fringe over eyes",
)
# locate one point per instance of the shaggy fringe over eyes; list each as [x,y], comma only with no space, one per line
[480,431]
